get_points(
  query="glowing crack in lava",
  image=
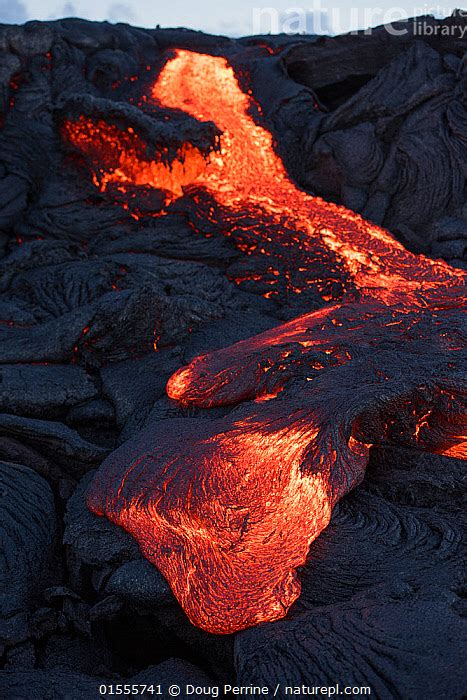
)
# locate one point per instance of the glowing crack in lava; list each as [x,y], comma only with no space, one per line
[227,508]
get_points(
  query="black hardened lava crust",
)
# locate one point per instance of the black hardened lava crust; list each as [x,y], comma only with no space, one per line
[377,123]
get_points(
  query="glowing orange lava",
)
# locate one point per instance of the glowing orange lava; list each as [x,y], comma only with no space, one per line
[246,173]
[120,157]
[227,509]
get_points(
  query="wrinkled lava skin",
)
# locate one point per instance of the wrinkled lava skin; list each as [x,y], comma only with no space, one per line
[227,508]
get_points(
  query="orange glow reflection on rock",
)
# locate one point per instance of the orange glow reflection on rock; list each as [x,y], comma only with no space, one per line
[119,157]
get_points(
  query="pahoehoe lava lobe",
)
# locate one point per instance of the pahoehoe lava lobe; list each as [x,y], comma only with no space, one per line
[227,508]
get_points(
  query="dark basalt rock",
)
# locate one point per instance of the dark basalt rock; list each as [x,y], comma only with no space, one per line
[27,539]
[365,152]
[55,440]
[404,523]
[337,67]
[140,583]
[40,390]
[92,540]
[373,640]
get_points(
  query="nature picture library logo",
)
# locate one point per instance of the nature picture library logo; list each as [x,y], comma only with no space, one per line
[318,18]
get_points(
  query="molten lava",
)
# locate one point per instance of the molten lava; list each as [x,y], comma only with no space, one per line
[227,509]
[120,157]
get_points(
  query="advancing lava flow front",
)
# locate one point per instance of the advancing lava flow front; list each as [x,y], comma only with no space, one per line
[227,508]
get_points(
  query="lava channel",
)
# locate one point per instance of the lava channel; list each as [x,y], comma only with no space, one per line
[227,509]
